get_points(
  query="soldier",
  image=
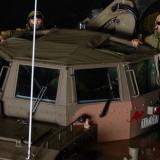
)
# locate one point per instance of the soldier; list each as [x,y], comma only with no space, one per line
[39,20]
[29,26]
[152,40]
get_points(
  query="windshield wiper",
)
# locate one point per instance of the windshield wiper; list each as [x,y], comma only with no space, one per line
[109,98]
[39,99]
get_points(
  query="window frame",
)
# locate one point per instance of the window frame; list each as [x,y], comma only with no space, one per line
[116,66]
[34,98]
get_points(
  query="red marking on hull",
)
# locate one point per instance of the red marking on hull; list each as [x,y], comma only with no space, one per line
[136,116]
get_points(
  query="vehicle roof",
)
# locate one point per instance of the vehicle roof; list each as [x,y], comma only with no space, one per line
[73,47]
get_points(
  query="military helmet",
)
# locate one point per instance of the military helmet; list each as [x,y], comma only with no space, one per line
[38,14]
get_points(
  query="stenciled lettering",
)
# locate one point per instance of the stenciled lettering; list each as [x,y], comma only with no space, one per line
[149,121]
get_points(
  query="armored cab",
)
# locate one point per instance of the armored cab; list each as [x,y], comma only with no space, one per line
[82,73]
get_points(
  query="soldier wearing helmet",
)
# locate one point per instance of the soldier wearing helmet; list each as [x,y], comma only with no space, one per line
[29,26]
[39,20]
[152,40]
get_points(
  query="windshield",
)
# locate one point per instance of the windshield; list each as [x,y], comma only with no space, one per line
[43,77]
[146,75]
[93,85]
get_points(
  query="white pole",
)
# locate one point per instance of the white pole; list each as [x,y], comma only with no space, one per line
[32,80]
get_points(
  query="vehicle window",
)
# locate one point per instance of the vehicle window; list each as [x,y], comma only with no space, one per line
[43,77]
[3,71]
[99,84]
[145,72]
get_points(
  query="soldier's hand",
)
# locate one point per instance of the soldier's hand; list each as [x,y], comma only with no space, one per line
[1,39]
[136,42]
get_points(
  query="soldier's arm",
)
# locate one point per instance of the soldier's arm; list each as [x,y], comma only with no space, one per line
[136,42]
[1,39]
[6,34]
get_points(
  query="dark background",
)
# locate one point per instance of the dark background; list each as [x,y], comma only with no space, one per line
[62,13]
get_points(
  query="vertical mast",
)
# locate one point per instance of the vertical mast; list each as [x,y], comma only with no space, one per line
[29,157]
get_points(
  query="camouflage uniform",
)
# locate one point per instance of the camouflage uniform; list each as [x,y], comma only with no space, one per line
[153,40]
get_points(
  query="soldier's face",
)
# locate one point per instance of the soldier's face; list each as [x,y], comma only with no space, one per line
[158,23]
[158,26]
[38,22]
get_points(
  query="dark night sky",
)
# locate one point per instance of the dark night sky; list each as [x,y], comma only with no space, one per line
[63,13]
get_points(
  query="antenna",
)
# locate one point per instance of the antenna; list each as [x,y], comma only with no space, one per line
[29,157]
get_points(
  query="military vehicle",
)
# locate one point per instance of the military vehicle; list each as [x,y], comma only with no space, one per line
[88,85]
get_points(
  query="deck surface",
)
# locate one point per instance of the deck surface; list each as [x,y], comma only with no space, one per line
[9,151]
[13,131]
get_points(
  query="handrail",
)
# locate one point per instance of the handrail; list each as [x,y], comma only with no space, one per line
[70,125]
[134,86]
[1,72]
[45,143]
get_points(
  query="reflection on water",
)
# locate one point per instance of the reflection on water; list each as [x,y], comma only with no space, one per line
[145,147]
